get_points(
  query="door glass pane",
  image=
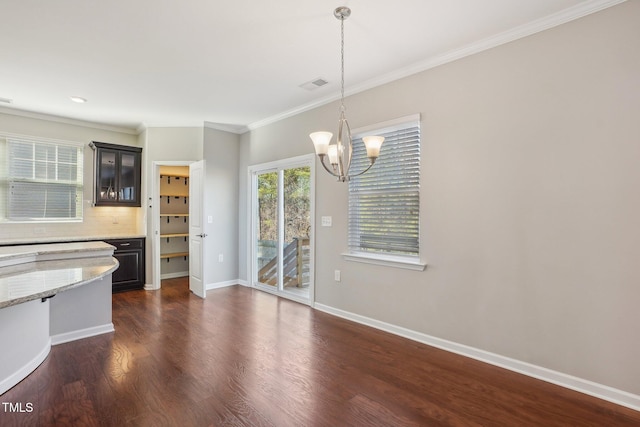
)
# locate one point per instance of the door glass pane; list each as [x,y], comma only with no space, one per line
[127,177]
[267,229]
[297,227]
[107,175]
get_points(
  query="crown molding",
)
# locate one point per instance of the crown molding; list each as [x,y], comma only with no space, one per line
[237,129]
[548,22]
[67,120]
[169,124]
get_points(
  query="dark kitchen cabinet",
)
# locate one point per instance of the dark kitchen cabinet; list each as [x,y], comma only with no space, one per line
[117,174]
[131,272]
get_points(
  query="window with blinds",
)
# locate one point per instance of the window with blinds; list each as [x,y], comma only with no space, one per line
[42,180]
[384,203]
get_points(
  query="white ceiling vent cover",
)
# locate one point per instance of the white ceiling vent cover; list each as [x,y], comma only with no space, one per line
[314,84]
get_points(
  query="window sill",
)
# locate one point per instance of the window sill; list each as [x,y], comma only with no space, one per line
[41,221]
[387,261]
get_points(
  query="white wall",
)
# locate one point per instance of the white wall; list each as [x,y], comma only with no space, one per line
[97,221]
[529,200]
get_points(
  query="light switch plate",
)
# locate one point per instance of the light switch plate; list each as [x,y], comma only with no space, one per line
[326,221]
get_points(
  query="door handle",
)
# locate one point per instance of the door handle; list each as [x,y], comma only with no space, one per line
[203,235]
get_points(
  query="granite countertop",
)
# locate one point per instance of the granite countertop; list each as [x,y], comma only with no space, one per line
[10,255]
[40,271]
[44,240]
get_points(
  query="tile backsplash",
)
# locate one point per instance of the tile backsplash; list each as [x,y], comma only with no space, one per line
[97,222]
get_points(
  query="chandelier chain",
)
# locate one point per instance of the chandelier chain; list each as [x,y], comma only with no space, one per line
[342,64]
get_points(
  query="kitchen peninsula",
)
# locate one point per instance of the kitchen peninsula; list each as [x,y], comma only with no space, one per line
[50,294]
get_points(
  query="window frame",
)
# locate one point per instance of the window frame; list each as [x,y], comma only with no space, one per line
[45,165]
[410,262]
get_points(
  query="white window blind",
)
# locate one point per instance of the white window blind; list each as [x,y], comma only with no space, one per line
[384,203]
[43,180]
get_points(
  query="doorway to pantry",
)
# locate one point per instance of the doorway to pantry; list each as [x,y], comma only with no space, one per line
[173,203]
[177,201]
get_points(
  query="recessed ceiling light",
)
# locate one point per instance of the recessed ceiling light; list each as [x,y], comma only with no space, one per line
[78,99]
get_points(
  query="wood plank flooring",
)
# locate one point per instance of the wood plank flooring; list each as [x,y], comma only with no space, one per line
[247,358]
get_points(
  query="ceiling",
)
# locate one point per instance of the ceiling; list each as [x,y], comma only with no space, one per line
[236,65]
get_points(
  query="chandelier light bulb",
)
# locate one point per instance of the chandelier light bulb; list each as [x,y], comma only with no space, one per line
[333,154]
[321,142]
[373,144]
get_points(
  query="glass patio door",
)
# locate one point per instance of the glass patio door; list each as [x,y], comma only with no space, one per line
[282,224]
[267,236]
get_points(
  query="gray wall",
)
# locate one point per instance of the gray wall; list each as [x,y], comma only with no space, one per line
[529,200]
[170,144]
[221,151]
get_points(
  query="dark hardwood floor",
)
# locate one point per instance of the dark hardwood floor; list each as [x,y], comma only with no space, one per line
[247,358]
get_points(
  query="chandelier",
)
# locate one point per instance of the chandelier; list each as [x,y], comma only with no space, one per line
[339,153]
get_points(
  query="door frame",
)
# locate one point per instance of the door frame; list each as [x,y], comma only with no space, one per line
[252,184]
[155,217]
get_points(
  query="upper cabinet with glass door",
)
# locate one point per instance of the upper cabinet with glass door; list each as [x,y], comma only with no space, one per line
[117,168]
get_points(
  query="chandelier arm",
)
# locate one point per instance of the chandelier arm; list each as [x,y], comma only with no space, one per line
[362,172]
[322,157]
[349,145]
[340,147]
[340,168]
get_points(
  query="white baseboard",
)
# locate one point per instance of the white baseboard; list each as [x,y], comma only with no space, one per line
[174,275]
[219,285]
[208,287]
[242,282]
[25,370]
[82,333]
[591,388]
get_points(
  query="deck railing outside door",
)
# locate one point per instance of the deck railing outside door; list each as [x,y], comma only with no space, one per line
[295,263]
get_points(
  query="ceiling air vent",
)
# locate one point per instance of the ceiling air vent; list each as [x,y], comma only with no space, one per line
[6,100]
[314,84]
